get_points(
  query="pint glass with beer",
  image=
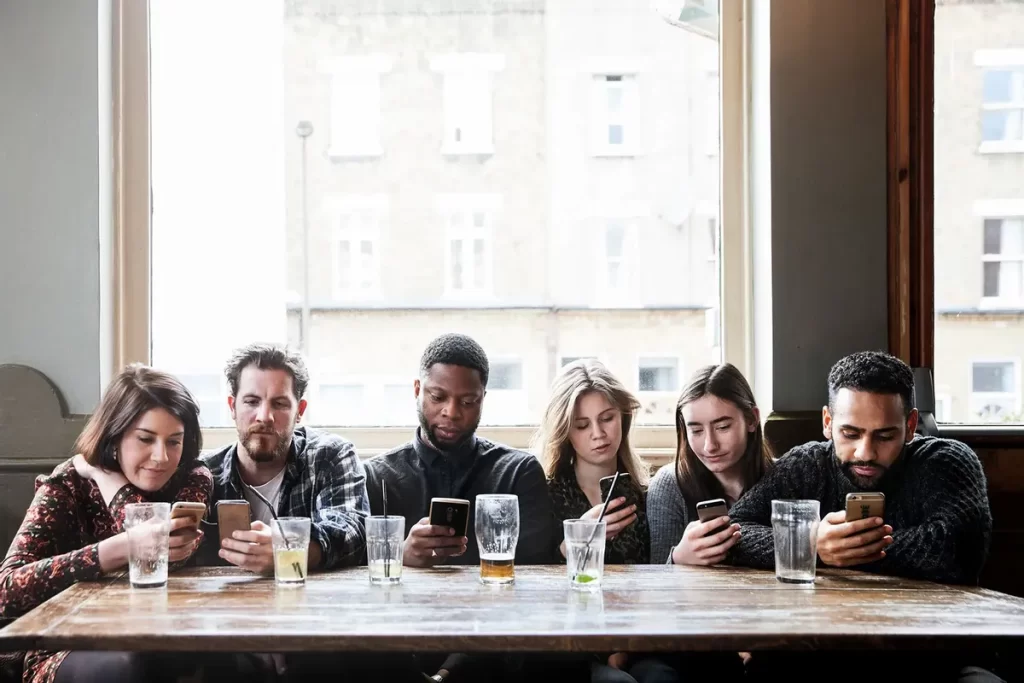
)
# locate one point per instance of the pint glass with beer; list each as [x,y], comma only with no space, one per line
[497,532]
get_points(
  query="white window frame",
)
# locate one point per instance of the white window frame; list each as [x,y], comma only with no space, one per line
[978,398]
[627,71]
[943,407]
[640,357]
[129,334]
[468,76]
[999,209]
[1010,60]
[449,205]
[360,74]
[518,398]
[373,205]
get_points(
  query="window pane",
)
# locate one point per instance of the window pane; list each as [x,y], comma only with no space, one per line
[506,376]
[659,374]
[996,378]
[978,206]
[369,219]
[996,86]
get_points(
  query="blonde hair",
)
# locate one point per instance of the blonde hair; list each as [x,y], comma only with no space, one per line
[552,442]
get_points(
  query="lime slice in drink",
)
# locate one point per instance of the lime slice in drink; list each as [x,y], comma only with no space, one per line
[585,578]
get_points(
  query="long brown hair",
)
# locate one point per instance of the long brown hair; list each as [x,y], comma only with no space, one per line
[726,382]
[552,441]
[138,389]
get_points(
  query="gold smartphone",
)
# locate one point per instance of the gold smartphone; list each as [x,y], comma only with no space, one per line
[193,511]
[232,516]
[712,509]
[864,505]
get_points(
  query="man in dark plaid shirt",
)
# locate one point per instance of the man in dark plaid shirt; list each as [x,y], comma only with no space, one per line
[300,472]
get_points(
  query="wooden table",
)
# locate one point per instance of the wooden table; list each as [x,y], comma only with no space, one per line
[448,610]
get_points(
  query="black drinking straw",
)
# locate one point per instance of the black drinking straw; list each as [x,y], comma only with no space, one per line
[284,537]
[604,508]
[387,542]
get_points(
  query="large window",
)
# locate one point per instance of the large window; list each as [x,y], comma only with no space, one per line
[979,210]
[354,180]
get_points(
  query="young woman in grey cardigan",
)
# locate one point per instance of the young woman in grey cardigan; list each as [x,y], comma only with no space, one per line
[720,453]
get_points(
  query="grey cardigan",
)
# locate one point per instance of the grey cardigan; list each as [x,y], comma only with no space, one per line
[668,513]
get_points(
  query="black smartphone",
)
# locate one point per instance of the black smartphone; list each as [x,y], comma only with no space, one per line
[452,512]
[622,488]
[712,509]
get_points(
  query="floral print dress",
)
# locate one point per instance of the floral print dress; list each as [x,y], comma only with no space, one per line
[58,542]
[631,546]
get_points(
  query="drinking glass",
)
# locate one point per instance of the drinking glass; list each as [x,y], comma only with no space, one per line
[149,532]
[584,553]
[795,527]
[290,538]
[497,532]
[385,543]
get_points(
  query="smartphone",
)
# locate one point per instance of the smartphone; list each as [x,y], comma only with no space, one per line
[452,512]
[622,488]
[712,509]
[232,516]
[864,505]
[194,511]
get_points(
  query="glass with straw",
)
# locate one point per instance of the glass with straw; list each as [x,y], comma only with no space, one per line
[584,547]
[385,543]
[290,541]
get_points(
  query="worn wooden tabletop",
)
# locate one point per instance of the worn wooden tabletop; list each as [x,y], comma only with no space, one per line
[447,609]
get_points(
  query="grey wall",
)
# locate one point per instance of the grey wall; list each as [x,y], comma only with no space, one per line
[828,202]
[49,193]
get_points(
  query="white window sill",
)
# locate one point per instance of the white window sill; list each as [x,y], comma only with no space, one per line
[616,151]
[353,153]
[356,295]
[1002,147]
[469,296]
[997,304]
[453,149]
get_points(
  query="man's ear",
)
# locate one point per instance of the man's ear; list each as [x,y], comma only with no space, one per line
[912,421]
[302,409]
[826,423]
[231,405]
[416,386]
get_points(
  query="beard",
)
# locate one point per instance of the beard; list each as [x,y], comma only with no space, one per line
[861,482]
[272,446]
[443,446]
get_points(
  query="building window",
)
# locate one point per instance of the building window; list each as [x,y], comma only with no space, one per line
[615,271]
[469,253]
[356,255]
[1002,115]
[565,360]
[341,403]
[468,101]
[995,391]
[506,401]
[355,105]
[658,374]
[211,393]
[1003,262]
[943,408]
[615,129]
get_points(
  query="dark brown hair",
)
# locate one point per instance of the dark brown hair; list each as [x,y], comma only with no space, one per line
[726,382]
[268,357]
[138,389]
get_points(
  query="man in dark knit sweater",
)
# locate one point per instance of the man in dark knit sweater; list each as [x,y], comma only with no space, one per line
[936,523]
[937,520]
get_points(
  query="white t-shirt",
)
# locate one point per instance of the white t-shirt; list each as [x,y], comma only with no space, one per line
[271,491]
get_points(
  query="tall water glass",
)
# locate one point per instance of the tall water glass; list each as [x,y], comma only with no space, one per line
[149,532]
[385,543]
[290,539]
[795,526]
[584,553]
[497,533]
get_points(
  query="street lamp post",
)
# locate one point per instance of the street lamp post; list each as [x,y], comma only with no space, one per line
[304,129]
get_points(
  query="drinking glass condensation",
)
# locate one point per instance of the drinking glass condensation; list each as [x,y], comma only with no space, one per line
[497,532]
[290,538]
[149,531]
[385,543]
[795,526]
[584,552]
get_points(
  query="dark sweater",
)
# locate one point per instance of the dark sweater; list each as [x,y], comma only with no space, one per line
[416,472]
[935,502]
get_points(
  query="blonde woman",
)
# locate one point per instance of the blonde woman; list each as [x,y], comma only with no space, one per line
[584,437]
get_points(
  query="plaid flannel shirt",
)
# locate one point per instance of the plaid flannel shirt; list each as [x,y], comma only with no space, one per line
[323,480]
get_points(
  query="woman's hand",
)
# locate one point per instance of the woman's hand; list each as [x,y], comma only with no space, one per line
[616,521]
[184,541]
[706,543]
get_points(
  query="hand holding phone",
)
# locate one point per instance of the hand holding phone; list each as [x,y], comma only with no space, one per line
[427,544]
[450,512]
[846,543]
[708,539]
[864,505]
[712,509]
[184,509]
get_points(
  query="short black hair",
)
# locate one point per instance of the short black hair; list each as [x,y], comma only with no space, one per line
[266,356]
[456,349]
[874,372]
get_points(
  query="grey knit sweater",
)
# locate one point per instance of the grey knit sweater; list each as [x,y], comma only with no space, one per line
[935,501]
[668,514]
